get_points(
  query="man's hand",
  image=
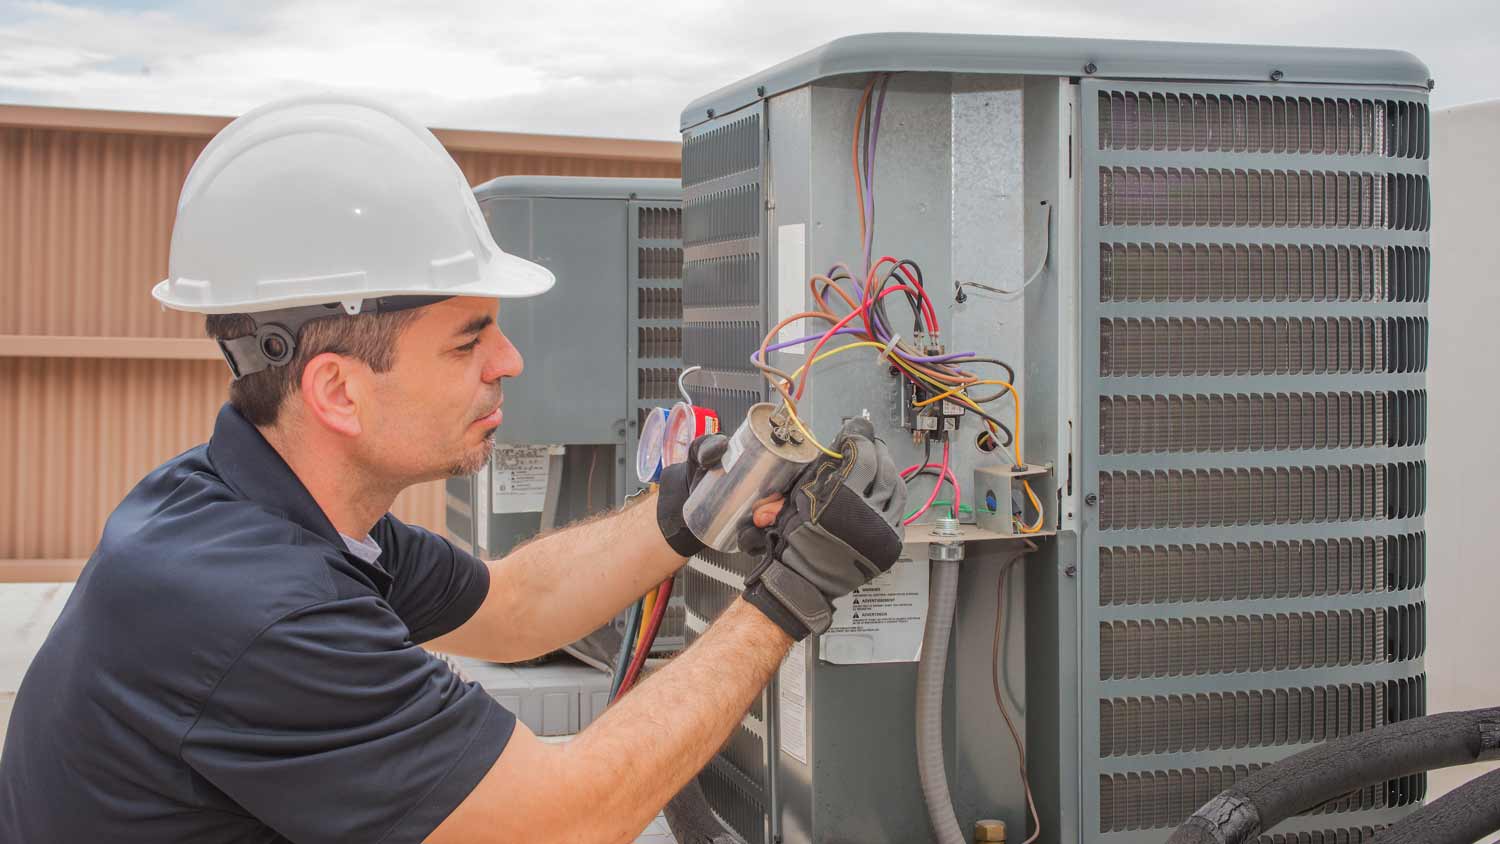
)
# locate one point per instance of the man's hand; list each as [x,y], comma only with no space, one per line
[838,532]
[677,483]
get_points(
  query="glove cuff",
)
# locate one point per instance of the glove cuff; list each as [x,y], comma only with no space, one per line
[671,495]
[787,599]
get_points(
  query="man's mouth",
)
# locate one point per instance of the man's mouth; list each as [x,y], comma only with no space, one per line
[492,418]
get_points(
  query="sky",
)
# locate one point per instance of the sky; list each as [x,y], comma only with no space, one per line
[616,69]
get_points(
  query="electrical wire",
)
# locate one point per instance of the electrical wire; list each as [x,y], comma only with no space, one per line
[682,386]
[943,471]
[958,286]
[627,643]
[1015,735]
[663,597]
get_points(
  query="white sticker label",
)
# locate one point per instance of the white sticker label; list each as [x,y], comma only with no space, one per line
[882,621]
[791,280]
[792,700]
[518,479]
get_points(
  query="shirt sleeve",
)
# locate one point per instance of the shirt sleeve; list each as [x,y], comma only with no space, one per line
[435,587]
[333,727]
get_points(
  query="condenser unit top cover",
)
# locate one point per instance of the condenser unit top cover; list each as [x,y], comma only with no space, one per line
[580,187]
[1021,55]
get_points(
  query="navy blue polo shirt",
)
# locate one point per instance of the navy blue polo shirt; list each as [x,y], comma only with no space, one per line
[226,670]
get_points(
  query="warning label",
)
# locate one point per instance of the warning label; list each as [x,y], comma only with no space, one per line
[882,621]
[519,478]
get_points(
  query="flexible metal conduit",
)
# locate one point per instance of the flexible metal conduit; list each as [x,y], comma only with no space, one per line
[1315,776]
[942,598]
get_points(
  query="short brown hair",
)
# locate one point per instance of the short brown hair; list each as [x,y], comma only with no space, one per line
[368,338]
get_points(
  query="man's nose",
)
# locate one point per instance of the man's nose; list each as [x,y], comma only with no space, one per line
[505,361]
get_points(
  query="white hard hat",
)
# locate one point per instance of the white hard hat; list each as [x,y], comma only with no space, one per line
[330,199]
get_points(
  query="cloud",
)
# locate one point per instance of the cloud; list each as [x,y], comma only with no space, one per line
[611,68]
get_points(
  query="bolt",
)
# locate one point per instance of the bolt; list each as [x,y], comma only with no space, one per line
[1071,571]
[1090,68]
[710,112]
[1091,499]
[1276,75]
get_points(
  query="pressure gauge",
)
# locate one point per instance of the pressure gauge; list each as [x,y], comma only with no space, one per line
[648,450]
[685,424]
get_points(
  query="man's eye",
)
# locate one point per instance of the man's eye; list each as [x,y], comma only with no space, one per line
[469,346]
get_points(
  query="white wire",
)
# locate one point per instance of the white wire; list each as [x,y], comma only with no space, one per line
[958,286]
[681,387]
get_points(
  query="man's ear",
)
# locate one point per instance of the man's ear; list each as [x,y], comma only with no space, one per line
[329,395]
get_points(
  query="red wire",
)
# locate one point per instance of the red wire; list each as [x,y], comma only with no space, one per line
[936,488]
[637,662]
[863,308]
[927,309]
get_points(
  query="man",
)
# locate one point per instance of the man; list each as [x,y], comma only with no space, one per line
[239,661]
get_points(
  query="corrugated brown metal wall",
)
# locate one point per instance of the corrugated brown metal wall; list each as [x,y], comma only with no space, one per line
[98,385]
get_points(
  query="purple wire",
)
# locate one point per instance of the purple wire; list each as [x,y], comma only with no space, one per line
[869,243]
[952,356]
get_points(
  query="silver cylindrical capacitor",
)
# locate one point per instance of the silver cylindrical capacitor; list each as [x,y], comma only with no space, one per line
[761,461]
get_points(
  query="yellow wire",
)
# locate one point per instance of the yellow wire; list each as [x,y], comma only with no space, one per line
[947,392]
[646,607]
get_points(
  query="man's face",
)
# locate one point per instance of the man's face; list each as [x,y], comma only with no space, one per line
[436,411]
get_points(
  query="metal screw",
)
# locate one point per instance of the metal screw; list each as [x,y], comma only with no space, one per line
[1276,75]
[1071,571]
[760,90]
[1091,499]
[1090,68]
[1431,83]
[710,112]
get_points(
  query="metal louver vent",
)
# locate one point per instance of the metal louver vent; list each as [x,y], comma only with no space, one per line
[1297,324]
[731,404]
[729,214]
[659,223]
[1353,835]
[1264,124]
[1199,272]
[721,345]
[744,751]
[1244,571]
[1260,422]
[1181,647]
[655,383]
[1158,196]
[722,151]
[722,282]
[1255,496]
[659,342]
[1262,345]
[707,596]
[733,797]
[1158,799]
[1226,720]
[657,262]
[659,303]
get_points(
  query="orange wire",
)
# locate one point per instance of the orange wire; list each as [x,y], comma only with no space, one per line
[859,190]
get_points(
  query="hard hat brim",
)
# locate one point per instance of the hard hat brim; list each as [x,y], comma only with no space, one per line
[506,277]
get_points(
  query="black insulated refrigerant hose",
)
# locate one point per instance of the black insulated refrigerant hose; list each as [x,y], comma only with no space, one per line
[1463,816]
[1313,777]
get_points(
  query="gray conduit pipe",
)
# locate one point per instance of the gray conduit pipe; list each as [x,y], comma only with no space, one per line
[942,598]
[1313,777]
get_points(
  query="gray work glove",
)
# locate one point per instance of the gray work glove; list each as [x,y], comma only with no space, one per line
[837,531]
[677,482]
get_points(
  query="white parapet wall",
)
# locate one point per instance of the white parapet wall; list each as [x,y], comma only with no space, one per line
[1463,448]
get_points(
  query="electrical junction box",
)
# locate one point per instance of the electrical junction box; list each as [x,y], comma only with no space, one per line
[601,348]
[1208,266]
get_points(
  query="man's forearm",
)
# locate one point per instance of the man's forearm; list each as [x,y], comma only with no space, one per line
[647,746]
[561,586]
[608,783]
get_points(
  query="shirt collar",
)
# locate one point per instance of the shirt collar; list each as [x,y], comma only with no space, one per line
[256,471]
